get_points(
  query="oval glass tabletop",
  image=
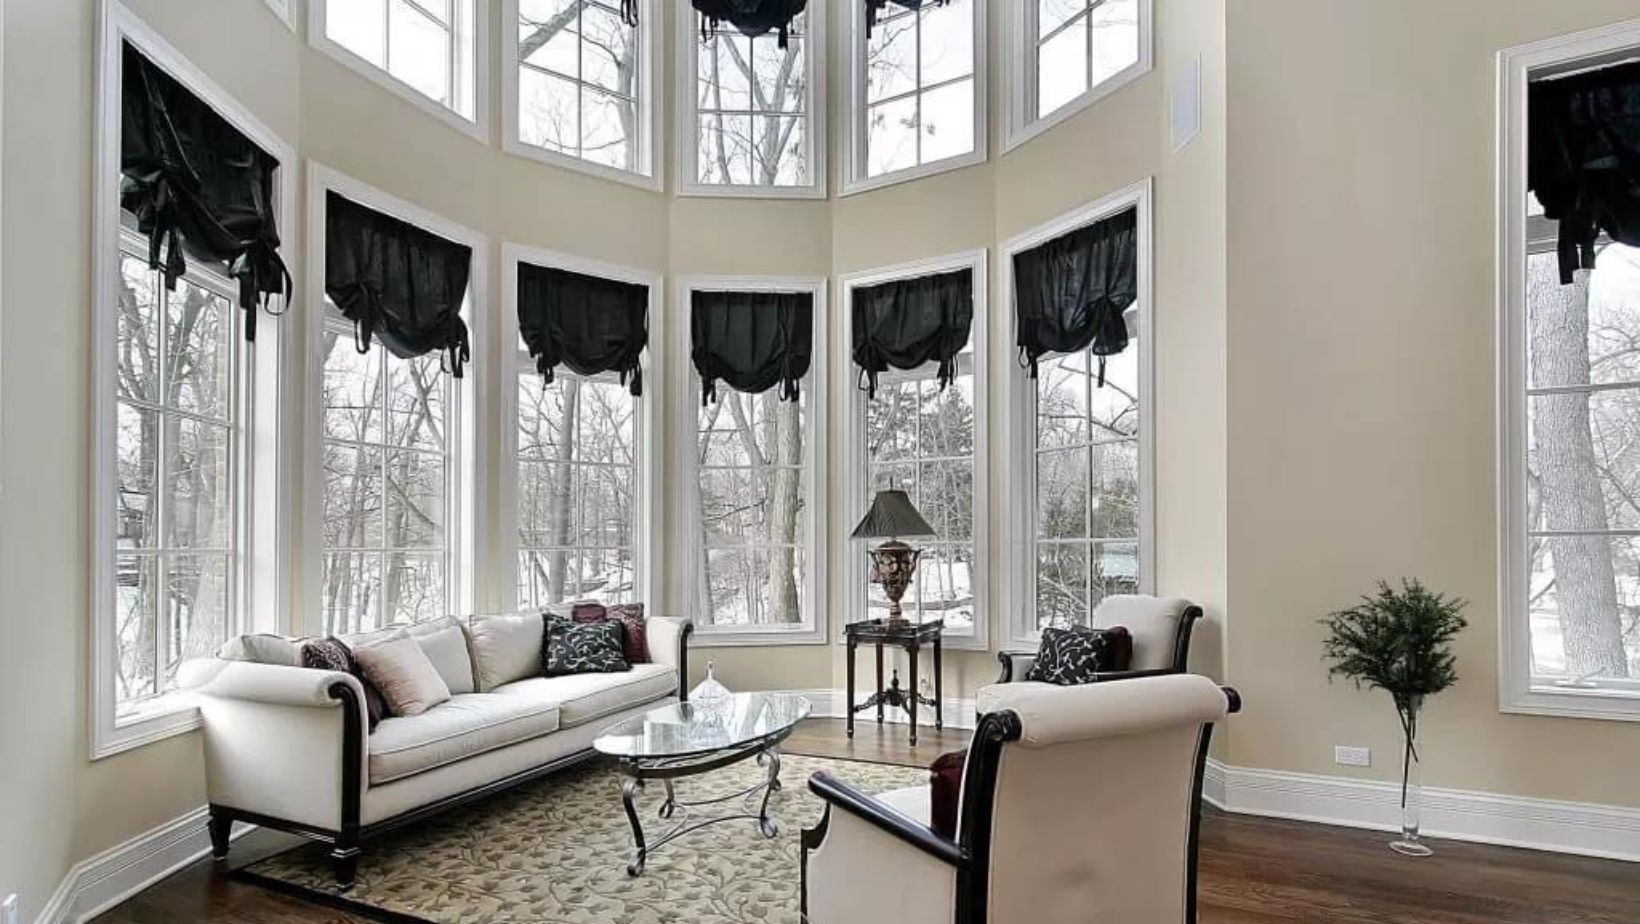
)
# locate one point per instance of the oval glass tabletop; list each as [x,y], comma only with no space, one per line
[688,729]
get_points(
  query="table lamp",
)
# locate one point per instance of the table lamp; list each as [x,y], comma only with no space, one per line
[891,516]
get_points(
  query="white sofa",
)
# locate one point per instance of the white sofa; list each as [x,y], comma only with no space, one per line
[288,747]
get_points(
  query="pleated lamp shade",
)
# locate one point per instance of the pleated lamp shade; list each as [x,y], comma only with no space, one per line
[892,515]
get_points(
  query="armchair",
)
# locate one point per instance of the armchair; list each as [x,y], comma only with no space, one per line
[1035,842]
[1160,627]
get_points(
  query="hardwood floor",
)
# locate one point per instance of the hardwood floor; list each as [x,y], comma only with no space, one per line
[1253,870]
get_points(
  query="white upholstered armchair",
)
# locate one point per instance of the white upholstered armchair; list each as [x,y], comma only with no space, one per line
[1079,804]
[1160,627]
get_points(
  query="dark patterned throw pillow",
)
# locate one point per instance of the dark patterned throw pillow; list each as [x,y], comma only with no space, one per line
[1079,654]
[582,648]
[635,639]
[329,654]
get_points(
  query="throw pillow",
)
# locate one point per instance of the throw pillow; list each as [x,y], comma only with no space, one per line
[447,649]
[1079,654]
[505,648]
[329,654]
[262,648]
[583,648]
[635,643]
[588,612]
[401,671]
[945,791]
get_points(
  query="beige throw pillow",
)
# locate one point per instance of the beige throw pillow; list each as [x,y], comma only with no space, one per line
[408,681]
[505,648]
[447,649]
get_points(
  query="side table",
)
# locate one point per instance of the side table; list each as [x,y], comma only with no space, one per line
[910,637]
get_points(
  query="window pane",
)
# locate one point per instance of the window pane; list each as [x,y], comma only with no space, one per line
[353,497]
[608,127]
[606,506]
[547,35]
[1115,570]
[1115,38]
[1062,487]
[1062,584]
[415,587]
[1115,405]
[945,586]
[781,74]
[891,57]
[1115,489]
[1062,387]
[547,111]
[609,53]
[199,346]
[196,609]
[1584,332]
[415,500]
[1051,14]
[360,26]
[947,42]
[1062,69]
[1581,594]
[891,421]
[198,485]
[725,149]
[137,335]
[891,136]
[415,403]
[732,587]
[352,592]
[724,67]
[948,121]
[1583,460]
[136,472]
[541,418]
[543,505]
[725,430]
[419,51]
[946,422]
[352,390]
[781,154]
[136,616]
[946,499]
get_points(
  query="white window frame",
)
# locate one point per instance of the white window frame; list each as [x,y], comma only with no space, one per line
[856,476]
[686,392]
[262,466]
[467,424]
[515,361]
[1020,122]
[686,127]
[1516,691]
[1019,521]
[856,109]
[469,66]
[285,10]
[649,143]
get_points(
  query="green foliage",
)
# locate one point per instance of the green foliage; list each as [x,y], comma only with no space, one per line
[1398,641]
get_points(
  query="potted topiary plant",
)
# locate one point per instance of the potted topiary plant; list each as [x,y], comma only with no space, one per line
[1399,641]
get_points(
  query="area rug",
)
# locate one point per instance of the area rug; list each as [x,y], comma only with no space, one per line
[555,851]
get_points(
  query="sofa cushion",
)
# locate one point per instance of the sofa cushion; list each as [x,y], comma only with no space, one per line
[408,681]
[505,648]
[457,728]
[583,698]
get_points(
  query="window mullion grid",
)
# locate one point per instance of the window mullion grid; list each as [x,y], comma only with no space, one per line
[917,81]
[1087,45]
[162,515]
[1087,403]
[580,81]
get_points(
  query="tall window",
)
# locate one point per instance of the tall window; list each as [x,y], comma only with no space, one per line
[580,84]
[429,47]
[577,489]
[387,492]
[752,112]
[178,437]
[1070,53]
[919,93]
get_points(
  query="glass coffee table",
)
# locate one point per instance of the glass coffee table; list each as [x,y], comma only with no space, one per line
[688,739]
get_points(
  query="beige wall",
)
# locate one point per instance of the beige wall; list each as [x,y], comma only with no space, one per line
[1361,426]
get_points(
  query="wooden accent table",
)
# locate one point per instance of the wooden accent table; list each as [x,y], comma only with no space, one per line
[910,637]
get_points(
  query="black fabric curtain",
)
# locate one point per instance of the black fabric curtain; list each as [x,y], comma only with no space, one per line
[1069,293]
[198,186]
[874,8]
[395,282]
[751,17]
[908,322]
[1583,159]
[590,324]
[752,341]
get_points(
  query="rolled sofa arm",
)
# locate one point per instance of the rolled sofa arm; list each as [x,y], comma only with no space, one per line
[1015,665]
[278,684]
[669,645]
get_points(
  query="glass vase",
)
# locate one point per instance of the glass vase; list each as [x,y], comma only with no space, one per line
[1411,843]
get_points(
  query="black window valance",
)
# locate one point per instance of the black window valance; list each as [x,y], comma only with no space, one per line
[751,17]
[196,184]
[588,323]
[396,282]
[1069,293]
[874,8]
[752,341]
[909,322]
[1583,158]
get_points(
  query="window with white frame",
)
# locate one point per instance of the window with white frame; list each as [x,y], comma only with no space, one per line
[430,47]
[928,441]
[754,465]
[1570,413]
[1069,53]
[753,121]
[918,92]
[580,84]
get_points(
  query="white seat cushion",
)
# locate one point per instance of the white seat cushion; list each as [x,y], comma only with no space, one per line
[583,698]
[453,730]
[914,802]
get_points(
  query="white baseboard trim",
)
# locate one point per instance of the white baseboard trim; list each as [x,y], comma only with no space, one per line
[99,883]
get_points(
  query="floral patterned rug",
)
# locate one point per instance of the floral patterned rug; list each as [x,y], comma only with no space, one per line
[555,851]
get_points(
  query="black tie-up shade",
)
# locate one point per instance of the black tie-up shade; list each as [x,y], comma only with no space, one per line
[395,282]
[892,515]
[874,8]
[590,324]
[752,341]
[909,322]
[1583,158]
[751,17]
[197,185]
[1069,293]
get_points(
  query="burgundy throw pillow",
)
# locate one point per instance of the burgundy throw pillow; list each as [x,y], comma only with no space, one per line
[635,639]
[945,788]
[329,654]
[588,612]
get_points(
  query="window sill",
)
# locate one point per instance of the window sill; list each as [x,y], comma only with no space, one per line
[691,190]
[707,637]
[1611,705]
[166,717]
[855,186]
[650,182]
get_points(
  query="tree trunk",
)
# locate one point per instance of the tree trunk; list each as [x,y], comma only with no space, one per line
[786,425]
[563,494]
[1585,585]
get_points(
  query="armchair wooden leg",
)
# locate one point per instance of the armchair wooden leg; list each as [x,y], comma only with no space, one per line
[344,862]
[220,826]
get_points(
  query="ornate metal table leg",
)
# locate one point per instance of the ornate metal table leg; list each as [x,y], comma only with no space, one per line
[671,803]
[629,789]
[766,824]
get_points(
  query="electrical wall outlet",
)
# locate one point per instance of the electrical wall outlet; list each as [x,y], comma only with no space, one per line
[1352,757]
[11,911]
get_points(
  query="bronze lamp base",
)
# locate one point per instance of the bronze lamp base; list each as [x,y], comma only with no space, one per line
[892,566]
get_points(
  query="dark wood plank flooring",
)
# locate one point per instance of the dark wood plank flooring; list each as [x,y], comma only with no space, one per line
[1253,870]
